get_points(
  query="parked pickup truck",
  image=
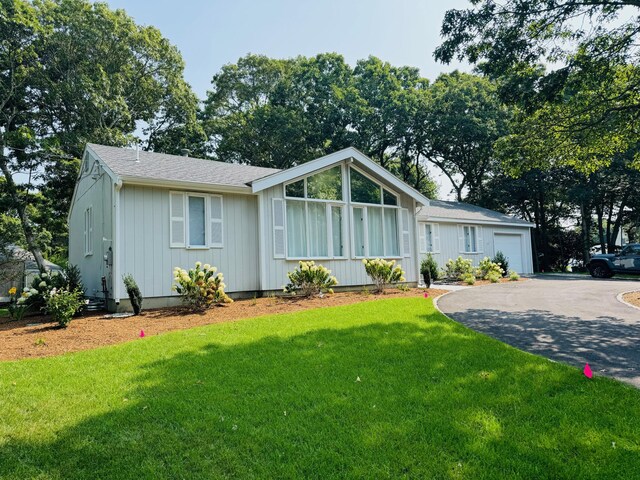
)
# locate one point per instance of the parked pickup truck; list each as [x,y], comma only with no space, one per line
[607,265]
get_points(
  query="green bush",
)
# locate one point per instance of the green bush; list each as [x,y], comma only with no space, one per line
[455,269]
[501,260]
[200,287]
[72,278]
[135,297]
[429,269]
[62,304]
[468,278]
[494,277]
[487,268]
[513,276]
[383,272]
[310,279]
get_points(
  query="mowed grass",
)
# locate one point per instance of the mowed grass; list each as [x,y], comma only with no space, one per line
[4,312]
[382,389]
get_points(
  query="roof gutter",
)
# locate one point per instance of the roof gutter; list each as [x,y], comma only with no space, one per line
[474,221]
[207,187]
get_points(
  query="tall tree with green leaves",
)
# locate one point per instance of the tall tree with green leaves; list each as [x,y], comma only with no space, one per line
[71,72]
[588,103]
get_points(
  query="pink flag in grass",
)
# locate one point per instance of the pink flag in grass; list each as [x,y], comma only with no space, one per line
[141,333]
[587,371]
[426,294]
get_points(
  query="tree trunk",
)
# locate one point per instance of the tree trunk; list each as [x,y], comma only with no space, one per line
[22,213]
[585,214]
[601,235]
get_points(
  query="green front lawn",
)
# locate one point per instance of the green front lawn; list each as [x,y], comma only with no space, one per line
[381,389]
[4,312]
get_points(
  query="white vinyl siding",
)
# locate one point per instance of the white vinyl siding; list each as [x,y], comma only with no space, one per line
[88,231]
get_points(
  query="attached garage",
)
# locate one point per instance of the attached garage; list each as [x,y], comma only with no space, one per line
[448,230]
[511,245]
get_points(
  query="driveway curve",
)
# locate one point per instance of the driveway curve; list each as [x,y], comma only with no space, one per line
[565,319]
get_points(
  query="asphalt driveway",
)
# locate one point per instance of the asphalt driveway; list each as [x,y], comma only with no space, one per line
[567,320]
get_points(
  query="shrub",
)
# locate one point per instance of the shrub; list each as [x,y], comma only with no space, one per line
[72,278]
[62,304]
[468,278]
[455,269]
[41,285]
[513,276]
[200,287]
[135,297]
[494,277]
[310,279]
[429,269]
[383,272]
[487,268]
[501,260]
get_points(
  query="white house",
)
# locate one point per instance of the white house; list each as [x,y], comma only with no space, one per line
[144,213]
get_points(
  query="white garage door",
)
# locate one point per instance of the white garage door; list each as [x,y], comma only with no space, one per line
[511,246]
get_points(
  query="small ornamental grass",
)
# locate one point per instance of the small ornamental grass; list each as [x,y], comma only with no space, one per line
[310,279]
[513,276]
[200,287]
[383,272]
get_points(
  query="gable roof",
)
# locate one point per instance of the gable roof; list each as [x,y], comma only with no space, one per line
[161,168]
[443,211]
[356,155]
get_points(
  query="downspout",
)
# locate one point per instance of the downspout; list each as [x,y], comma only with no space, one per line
[115,243]
[416,240]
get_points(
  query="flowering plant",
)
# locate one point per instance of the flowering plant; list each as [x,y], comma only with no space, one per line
[62,304]
[310,279]
[200,287]
[383,272]
[19,304]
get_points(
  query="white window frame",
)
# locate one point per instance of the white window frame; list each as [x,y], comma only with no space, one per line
[208,221]
[435,237]
[398,209]
[304,179]
[88,231]
[328,205]
[477,248]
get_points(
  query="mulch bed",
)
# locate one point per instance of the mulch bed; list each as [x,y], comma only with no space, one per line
[37,336]
[633,298]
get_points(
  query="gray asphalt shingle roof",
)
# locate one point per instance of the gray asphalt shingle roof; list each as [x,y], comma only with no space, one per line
[465,211]
[164,167]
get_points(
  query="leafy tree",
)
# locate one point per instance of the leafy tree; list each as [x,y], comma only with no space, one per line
[464,118]
[72,71]
[581,113]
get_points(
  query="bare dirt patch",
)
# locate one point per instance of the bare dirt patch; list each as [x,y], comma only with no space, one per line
[633,298]
[39,337]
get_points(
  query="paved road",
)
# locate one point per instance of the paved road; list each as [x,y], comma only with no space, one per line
[568,320]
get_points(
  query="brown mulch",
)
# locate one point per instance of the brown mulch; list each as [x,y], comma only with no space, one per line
[37,336]
[633,298]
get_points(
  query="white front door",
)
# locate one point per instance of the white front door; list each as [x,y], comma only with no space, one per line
[511,246]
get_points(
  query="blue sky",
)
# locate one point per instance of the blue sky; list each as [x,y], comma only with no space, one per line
[212,33]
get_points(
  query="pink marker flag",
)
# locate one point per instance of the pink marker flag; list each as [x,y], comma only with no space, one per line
[141,333]
[426,295]
[587,371]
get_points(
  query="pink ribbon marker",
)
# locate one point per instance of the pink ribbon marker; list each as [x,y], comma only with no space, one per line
[141,333]
[587,371]
[426,295]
